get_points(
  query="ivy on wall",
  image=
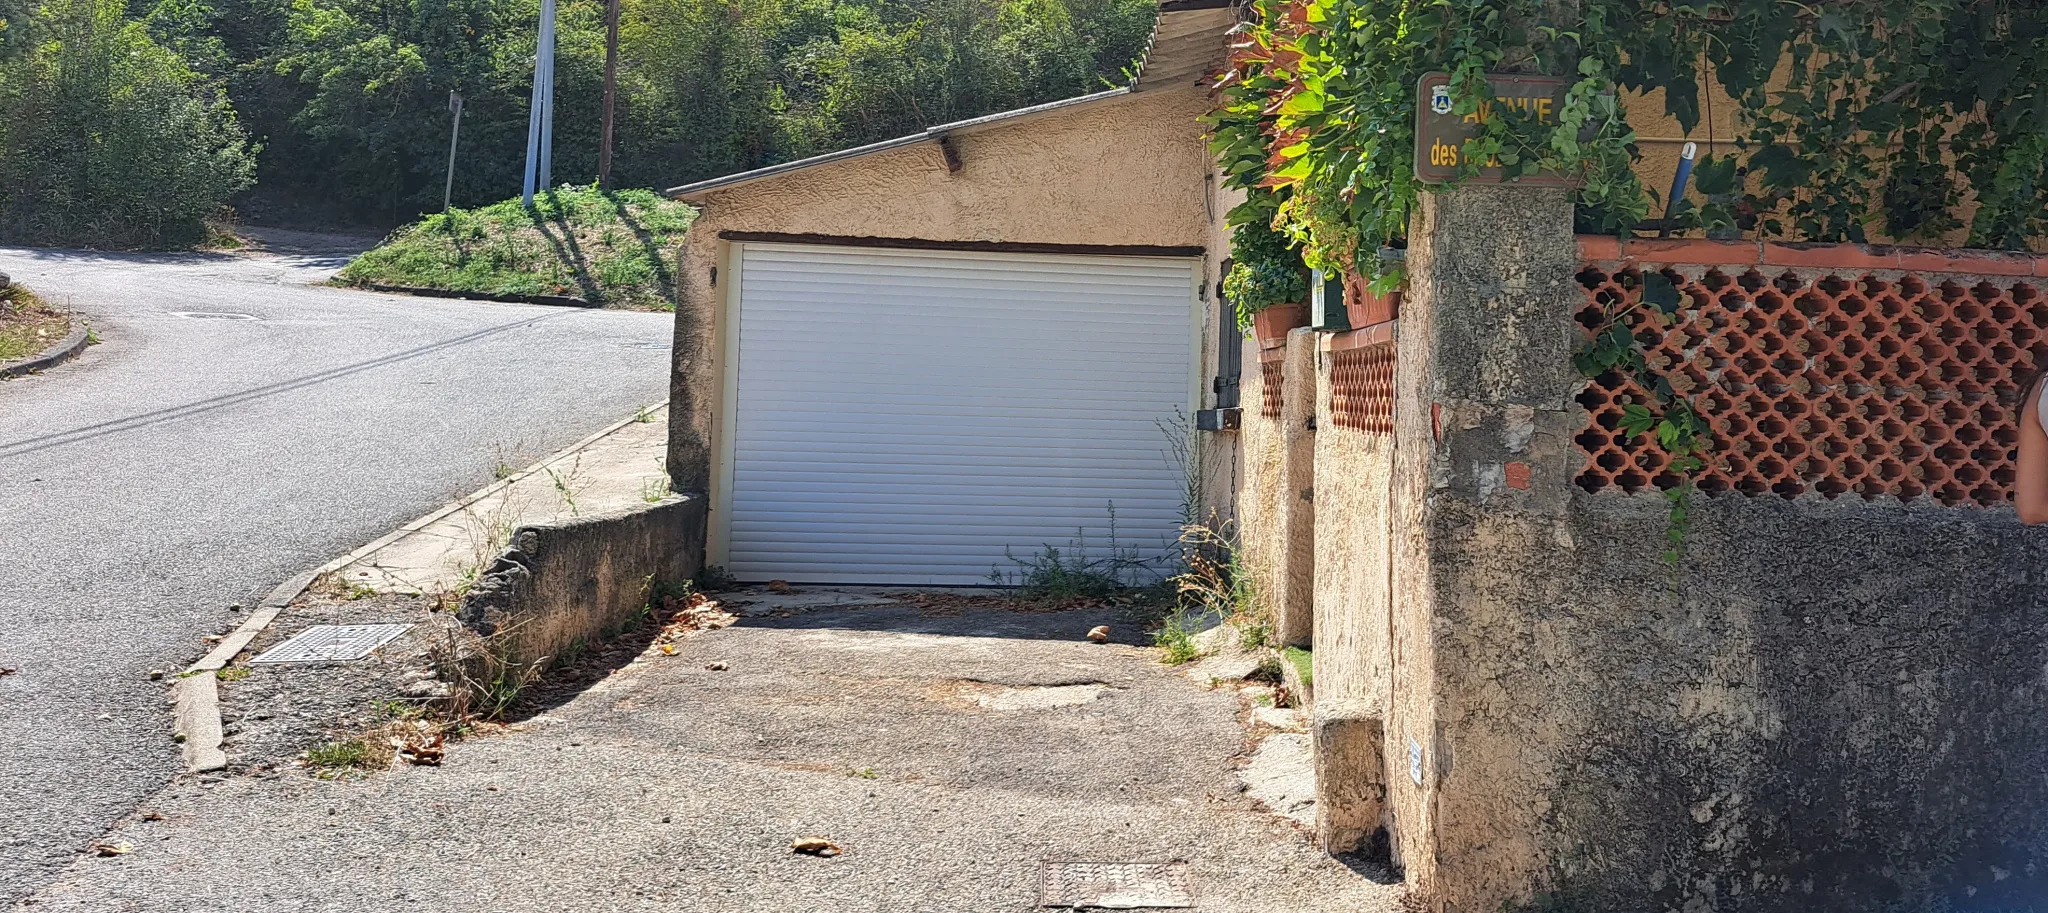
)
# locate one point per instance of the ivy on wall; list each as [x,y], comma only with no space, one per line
[1918,119]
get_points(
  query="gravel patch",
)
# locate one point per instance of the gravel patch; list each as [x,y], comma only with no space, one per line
[279,710]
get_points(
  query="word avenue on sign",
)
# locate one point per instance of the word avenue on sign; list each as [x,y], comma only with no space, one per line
[1441,132]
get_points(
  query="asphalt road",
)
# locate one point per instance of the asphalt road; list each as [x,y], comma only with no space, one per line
[235,426]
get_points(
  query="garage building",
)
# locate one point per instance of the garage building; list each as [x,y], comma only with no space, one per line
[921,361]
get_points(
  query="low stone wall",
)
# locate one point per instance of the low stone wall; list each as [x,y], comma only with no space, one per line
[1833,707]
[575,581]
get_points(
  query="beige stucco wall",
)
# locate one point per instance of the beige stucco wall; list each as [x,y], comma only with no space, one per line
[1262,449]
[1353,578]
[1660,138]
[1125,171]
[1353,621]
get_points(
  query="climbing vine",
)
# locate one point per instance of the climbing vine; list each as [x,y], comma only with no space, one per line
[1921,120]
[1669,416]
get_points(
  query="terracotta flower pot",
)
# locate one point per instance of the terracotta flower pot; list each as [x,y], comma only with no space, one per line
[1273,321]
[1363,307]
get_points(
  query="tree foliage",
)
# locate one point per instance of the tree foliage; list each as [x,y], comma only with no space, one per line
[109,137]
[350,93]
[1919,119]
[128,123]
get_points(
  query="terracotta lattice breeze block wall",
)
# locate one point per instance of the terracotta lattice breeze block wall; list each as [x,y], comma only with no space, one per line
[1272,365]
[1362,384]
[1847,372]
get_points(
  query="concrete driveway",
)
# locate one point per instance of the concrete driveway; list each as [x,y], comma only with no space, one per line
[962,754]
[234,427]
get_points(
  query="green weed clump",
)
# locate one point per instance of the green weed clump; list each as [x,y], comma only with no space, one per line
[28,325]
[1214,587]
[335,760]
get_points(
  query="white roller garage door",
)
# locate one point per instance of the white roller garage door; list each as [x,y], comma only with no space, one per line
[906,416]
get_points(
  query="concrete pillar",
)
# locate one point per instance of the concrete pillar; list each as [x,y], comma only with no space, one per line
[694,383]
[1351,783]
[1295,578]
[1483,467]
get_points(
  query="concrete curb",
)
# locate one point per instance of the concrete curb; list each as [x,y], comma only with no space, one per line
[74,343]
[198,725]
[554,300]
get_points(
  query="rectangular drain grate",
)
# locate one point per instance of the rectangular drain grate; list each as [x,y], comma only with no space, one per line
[1114,885]
[332,643]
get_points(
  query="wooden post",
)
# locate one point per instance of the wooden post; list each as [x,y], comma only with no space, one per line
[611,86]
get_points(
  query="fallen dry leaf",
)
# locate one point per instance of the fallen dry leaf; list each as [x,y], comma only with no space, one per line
[1099,634]
[152,816]
[117,848]
[779,586]
[687,614]
[422,748]
[815,846]
[8,670]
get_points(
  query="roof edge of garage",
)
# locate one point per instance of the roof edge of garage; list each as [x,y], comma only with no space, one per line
[691,193]
[993,247]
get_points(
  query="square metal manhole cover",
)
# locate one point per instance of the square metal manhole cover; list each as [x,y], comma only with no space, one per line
[332,643]
[1114,885]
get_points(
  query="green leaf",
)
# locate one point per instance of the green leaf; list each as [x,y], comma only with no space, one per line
[1658,292]
[1302,103]
[1636,418]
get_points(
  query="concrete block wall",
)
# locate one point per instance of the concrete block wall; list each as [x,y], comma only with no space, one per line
[1830,704]
[570,582]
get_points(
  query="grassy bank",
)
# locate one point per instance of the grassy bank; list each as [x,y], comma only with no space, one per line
[616,247]
[28,325]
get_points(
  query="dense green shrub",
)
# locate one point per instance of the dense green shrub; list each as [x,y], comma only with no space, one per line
[109,138]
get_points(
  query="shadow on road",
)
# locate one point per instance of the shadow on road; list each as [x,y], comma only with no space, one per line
[139,258]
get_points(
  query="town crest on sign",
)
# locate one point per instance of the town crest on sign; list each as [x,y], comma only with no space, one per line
[1440,100]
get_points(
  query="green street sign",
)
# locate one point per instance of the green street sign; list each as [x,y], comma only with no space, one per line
[1440,134]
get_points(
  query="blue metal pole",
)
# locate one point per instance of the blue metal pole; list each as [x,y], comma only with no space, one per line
[547,121]
[1678,182]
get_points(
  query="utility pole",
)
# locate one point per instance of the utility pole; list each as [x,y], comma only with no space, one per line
[540,121]
[611,88]
[547,124]
[448,189]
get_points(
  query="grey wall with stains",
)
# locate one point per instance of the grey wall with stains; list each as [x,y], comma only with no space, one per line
[1829,706]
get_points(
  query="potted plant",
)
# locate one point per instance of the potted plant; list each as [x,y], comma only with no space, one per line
[1267,283]
[1366,307]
